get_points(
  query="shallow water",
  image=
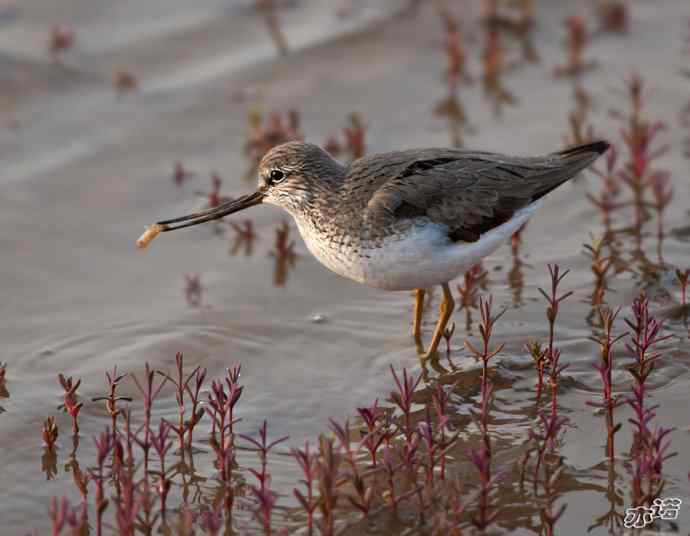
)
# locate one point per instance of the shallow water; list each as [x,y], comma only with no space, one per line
[83,171]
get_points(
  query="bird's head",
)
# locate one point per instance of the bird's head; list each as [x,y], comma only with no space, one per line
[291,176]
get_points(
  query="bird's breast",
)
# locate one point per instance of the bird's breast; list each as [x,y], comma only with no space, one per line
[339,251]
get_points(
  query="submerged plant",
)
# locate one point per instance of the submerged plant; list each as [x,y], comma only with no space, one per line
[516,278]
[441,402]
[609,401]
[399,460]
[486,512]
[354,144]
[614,15]
[284,254]
[638,173]
[486,327]
[63,515]
[181,383]
[581,132]
[162,444]
[436,442]
[309,502]
[327,469]
[193,289]
[577,42]
[266,497]
[683,277]
[221,408]
[193,390]
[540,357]
[111,399]
[99,474]
[149,391]
[268,8]
[62,38]
[264,134]
[355,136]
[70,404]
[212,521]
[662,195]
[553,354]
[50,433]
[601,264]
[181,174]
[553,303]
[128,504]
[545,436]
[214,198]
[362,499]
[455,52]
[244,237]
[494,66]
[606,201]
[124,82]
[473,281]
[649,447]
[403,397]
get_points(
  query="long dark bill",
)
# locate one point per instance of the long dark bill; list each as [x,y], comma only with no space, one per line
[229,207]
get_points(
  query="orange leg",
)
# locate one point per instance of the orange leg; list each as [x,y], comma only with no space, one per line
[418,311]
[446,310]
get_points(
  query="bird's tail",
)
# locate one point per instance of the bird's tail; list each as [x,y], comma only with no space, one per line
[586,154]
[564,165]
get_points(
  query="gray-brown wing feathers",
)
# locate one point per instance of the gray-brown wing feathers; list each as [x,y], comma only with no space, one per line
[470,192]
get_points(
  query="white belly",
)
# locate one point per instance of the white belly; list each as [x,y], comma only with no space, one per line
[422,258]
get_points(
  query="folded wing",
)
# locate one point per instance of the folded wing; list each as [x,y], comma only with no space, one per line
[472,192]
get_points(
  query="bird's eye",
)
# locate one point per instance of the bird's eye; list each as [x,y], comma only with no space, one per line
[276,176]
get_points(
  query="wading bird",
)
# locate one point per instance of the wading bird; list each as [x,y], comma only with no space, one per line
[405,220]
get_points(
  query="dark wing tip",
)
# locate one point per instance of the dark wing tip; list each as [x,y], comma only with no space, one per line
[598,147]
